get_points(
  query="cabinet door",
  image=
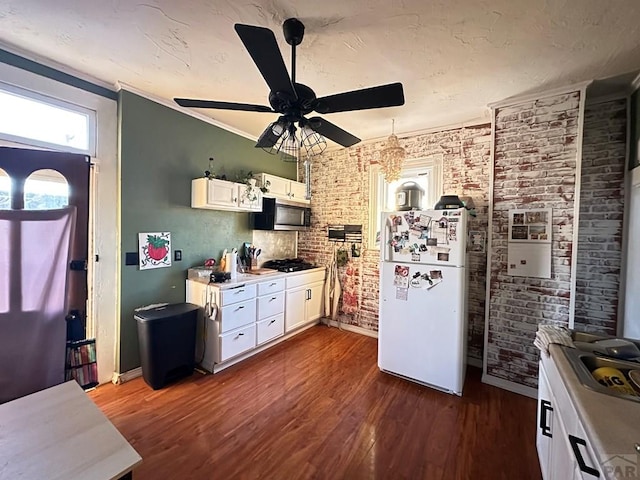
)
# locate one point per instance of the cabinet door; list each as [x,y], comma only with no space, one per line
[315,301]
[222,193]
[562,462]
[295,308]
[278,187]
[297,190]
[545,423]
[249,198]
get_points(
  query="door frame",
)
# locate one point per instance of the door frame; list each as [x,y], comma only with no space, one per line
[104,283]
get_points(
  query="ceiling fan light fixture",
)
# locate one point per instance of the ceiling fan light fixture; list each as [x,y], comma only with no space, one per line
[312,142]
[392,157]
[288,146]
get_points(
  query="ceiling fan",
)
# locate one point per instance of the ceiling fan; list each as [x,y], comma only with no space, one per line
[294,100]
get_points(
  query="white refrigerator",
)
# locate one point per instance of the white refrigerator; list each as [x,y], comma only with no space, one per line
[422,321]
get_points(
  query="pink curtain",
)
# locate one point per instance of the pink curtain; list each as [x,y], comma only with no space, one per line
[35,248]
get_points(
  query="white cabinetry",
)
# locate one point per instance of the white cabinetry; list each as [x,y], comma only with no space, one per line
[283,187]
[231,331]
[303,300]
[249,317]
[563,447]
[270,320]
[217,194]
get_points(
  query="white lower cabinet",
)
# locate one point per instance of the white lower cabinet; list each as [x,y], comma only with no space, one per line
[235,342]
[270,319]
[563,448]
[252,315]
[303,299]
[270,328]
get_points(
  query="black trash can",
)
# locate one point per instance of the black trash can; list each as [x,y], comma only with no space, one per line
[167,340]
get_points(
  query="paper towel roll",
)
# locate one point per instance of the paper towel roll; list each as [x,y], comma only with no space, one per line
[231,264]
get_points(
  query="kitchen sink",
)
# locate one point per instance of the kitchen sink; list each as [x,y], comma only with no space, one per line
[587,337]
[584,363]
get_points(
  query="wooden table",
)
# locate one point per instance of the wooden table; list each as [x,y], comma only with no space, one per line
[59,433]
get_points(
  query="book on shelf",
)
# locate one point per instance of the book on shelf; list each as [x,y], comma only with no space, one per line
[81,363]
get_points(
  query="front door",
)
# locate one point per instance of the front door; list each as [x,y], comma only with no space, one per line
[32,168]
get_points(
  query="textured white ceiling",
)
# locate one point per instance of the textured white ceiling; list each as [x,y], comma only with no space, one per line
[453,57]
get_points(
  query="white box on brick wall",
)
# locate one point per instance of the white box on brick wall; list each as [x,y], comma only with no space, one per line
[529,252]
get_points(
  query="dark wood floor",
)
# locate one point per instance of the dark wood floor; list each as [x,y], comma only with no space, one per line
[317,407]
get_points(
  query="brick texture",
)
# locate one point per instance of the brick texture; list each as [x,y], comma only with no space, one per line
[340,189]
[534,167]
[601,216]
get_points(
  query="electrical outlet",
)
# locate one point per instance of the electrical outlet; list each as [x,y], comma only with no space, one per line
[177,255]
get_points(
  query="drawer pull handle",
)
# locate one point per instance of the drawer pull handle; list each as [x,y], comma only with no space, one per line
[273,298]
[575,441]
[273,284]
[240,335]
[238,291]
[545,407]
[240,307]
[272,322]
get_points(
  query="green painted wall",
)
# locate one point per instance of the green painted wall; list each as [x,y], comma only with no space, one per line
[161,151]
[634,153]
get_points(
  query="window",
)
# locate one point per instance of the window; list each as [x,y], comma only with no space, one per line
[426,172]
[38,120]
[44,190]
[5,190]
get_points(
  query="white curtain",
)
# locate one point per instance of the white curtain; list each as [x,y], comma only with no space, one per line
[34,258]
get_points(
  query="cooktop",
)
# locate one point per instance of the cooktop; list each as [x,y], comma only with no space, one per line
[288,264]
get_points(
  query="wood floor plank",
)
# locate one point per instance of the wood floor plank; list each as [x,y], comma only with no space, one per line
[317,407]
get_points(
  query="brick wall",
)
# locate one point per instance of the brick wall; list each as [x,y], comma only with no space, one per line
[340,189]
[535,162]
[601,214]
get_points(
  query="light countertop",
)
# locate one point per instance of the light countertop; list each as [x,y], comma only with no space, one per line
[612,424]
[248,278]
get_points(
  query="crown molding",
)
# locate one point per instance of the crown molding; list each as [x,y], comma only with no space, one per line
[528,97]
[186,111]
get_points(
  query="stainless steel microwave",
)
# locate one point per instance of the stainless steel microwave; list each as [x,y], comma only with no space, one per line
[281,215]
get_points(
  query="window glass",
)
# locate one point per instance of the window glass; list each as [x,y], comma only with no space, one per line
[26,117]
[44,190]
[5,190]
[426,172]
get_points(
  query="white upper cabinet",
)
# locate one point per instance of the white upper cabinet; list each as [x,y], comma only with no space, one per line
[217,194]
[284,188]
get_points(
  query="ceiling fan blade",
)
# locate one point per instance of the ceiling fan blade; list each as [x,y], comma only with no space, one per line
[390,95]
[263,48]
[247,107]
[332,132]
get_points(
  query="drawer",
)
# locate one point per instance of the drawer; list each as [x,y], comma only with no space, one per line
[304,279]
[237,315]
[275,285]
[270,305]
[237,294]
[237,342]
[270,328]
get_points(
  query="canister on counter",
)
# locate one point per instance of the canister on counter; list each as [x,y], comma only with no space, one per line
[614,379]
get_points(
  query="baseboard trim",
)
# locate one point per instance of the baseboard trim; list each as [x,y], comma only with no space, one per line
[510,386]
[119,378]
[350,328]
[474,362]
